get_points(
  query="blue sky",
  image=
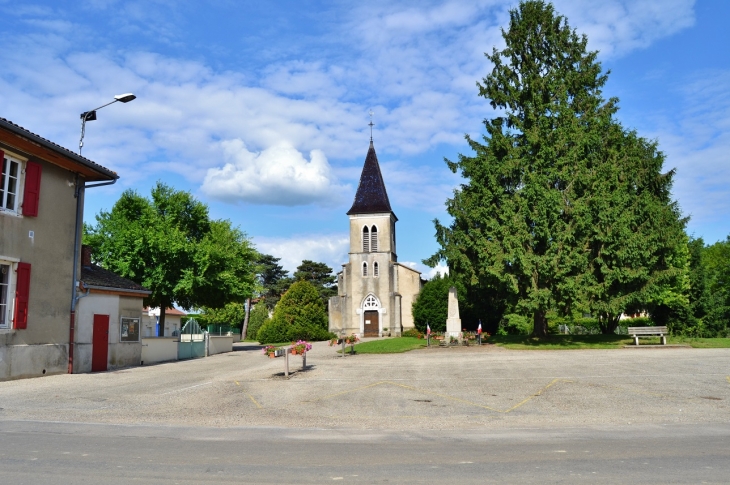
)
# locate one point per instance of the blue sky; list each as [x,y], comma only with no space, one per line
[261,108]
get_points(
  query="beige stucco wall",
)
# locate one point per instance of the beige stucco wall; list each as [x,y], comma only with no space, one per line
[219,345]
[385,223]
[43,345]
[409,286]
[159,349]
[121,354]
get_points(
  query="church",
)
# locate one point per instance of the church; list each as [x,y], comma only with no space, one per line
[375,292]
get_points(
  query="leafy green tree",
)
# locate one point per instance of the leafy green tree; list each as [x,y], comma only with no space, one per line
[432,305]
[299,314]
[169,245]
[320,275]
[231,314]
[716,261]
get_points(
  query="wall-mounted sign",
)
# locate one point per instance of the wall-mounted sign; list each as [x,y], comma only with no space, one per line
[129,329]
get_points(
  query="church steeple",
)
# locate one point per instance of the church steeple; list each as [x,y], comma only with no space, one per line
[371,196]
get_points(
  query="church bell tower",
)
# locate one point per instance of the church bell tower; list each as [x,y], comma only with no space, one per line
[372,287]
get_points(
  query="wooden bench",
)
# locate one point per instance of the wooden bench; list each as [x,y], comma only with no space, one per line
[637,332]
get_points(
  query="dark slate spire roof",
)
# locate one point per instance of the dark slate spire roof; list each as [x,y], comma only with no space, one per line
[371,196]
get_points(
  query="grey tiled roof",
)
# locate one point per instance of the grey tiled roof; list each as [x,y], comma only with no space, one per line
[371,196]
[97,276]
[19,130]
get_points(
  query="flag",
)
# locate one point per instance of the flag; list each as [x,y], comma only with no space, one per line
[479,328]
[428,329]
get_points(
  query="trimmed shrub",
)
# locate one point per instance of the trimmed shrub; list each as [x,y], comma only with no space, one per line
[272,332]
[299,315]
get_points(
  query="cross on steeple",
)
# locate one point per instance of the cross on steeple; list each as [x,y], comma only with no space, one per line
[371,126]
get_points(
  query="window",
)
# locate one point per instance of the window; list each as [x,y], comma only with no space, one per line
[5,271]
[365,240]
[375,270]
[370,303]
[364,269]
[374,239]
[14,280]
[9,184]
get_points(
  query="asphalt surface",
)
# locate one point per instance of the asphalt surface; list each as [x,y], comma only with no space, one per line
[62,453]
[461,415]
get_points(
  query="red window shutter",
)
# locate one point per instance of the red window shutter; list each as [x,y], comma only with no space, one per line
[32,190]
[22,294]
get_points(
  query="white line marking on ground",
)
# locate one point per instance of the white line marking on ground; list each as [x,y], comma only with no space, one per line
[186,388]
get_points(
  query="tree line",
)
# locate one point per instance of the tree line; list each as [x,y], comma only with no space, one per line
[169,244]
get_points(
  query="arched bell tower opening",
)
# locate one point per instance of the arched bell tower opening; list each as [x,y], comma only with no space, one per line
[370,325]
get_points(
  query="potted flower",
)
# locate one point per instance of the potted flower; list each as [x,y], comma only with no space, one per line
[270,350]
[300,347]
[352,339]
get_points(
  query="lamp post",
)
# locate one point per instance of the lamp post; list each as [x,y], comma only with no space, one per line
[91,115]
[79,192]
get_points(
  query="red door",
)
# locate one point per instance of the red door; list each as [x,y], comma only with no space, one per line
[100,343]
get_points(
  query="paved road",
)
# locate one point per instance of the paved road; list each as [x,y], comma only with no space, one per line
[40,453]
[630,416]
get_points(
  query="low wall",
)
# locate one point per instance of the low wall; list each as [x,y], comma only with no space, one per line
[219,345]
[19,361]
[159,349]
[124,354]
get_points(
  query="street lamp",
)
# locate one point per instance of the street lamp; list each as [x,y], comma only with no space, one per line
[91,115]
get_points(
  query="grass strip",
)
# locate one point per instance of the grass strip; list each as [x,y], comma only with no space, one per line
[563,342]
[394,345]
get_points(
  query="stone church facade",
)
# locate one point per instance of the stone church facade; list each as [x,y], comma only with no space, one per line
[375,292]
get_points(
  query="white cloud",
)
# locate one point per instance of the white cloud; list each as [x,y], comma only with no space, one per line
[329,249]
[419,186]
[426,272]
[278,175]
[616,27]
[414,64]
[697,143]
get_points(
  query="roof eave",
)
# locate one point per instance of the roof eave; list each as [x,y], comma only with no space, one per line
[105,173]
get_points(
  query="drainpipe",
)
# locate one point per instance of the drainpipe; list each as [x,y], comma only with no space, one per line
[79,194]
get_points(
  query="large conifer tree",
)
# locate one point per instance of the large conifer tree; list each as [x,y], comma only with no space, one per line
[555,173]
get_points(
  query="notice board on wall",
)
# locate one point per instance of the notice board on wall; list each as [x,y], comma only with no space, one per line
[129,329]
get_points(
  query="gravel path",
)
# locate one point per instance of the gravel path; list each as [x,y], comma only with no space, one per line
[447,389]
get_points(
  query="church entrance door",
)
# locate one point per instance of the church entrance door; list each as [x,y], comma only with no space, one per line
[372,324]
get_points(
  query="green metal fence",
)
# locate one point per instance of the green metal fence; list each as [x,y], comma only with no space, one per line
[220,330]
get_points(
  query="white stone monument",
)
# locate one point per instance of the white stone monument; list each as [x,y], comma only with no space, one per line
[453,322]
